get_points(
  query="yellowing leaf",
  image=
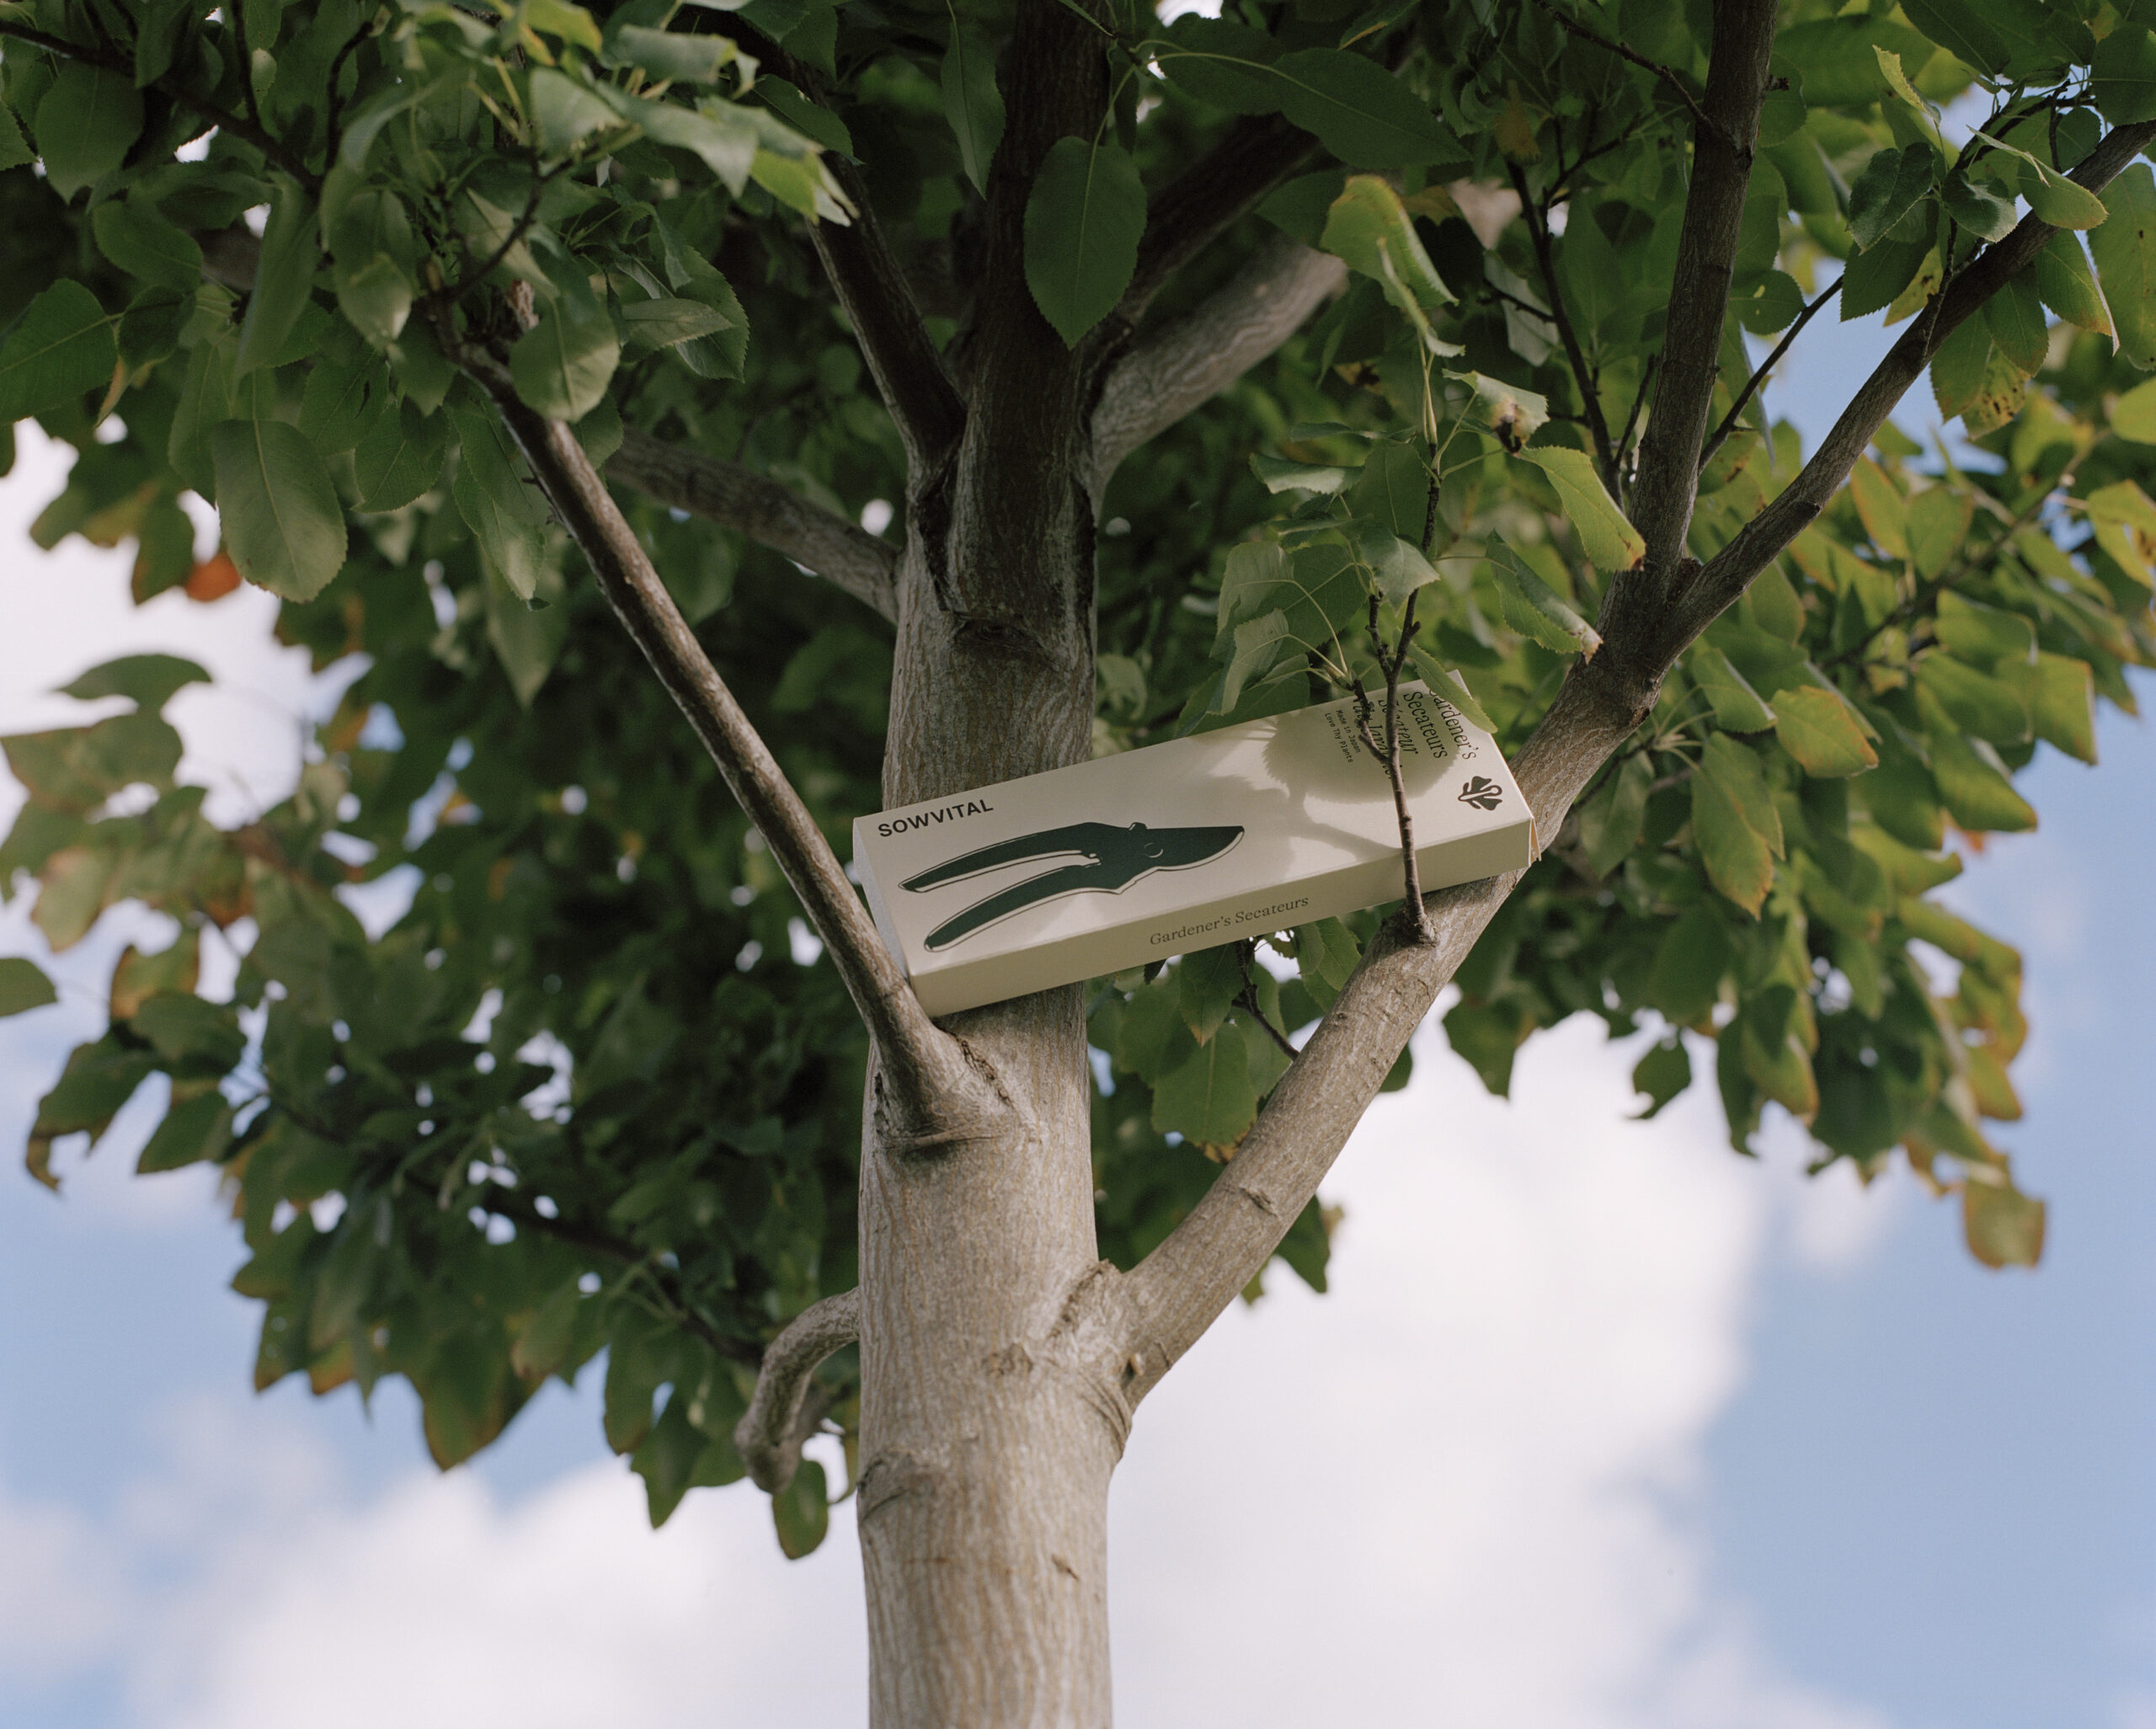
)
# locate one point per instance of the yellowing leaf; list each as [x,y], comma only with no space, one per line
[1815,725]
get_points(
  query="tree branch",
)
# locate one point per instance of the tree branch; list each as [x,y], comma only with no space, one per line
[1193,358]
[925,1075]
[1538,229]
[1209,196]
[781,1417]
[1179,1289]
[845,555]
[1727,575]
[865,275]
[1668,476]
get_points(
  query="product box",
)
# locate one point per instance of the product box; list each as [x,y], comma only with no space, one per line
[1185,845]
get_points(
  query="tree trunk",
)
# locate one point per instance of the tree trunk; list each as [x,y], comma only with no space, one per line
[985,1453]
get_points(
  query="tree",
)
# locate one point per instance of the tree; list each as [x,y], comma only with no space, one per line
[1430,323]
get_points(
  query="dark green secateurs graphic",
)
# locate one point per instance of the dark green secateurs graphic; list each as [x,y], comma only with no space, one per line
[1117,858]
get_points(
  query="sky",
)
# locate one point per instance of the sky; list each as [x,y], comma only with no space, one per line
[1602,1427]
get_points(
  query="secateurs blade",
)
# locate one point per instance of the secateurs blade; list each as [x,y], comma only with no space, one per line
[1117,858]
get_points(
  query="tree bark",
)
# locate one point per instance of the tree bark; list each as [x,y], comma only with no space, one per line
[986,1445]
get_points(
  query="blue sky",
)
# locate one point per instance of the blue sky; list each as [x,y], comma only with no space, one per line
[1601,1426]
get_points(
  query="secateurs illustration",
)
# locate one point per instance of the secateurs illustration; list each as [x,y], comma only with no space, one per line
[1115,858]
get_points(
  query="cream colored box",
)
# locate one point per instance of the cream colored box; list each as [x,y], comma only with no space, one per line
[1184,845]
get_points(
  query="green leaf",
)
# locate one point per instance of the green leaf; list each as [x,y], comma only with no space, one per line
[1662,1074]
[1938,528]
[502,515]
[1537,610]
[563,365]
[1876,275]
[2124,251]
[2063,281]
[1973,784]
[2134,418]
[86,124]
[144,244]
[2053,198]
[193,1130]
[668,54]
[185,1029]
[283,525]
[2014,315]
[77,768]
[1394,489]
[527,638]
[801,1511]
[1208,982]
[1607,539]
[1280,475]
[61,348]
[347,392]
[291,252]
[1447,686]
[2123,78]
[1735,823]
[971,102]
[804,116]
[1816,726]
[1960,29]
[566,111]
[1689,964]
[1397,567]
[1084,220]
[15,152]
[1893,182]
[1738,708]
[23,986]
[1368,229]
[401,457]
[1361,112]
[1983,636]
[2062,701]
[1486,1036]
[1208,1098]
[1980,208]
[378,299]
[1976,702]
[1611,824]
[1224,63]
[98,1079]
[1258,643]
[666,323]
[148,681]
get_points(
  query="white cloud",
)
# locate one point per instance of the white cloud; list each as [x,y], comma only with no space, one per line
[1466,1486]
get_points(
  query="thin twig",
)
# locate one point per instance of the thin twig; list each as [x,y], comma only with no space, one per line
[1537,230]
[1632,419]
[1248,1001]
[236,15]
[1667,74]
[1414,917]
[334,133]
[1759,376]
